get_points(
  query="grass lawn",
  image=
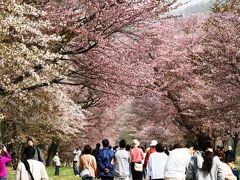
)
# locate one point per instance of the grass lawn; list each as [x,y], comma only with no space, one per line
[66,173]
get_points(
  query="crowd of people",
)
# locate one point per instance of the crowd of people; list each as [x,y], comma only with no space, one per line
[194,161]
[30,167]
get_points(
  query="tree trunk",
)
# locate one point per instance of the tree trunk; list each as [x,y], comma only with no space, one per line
[53,148]
[4,129]
[235,144]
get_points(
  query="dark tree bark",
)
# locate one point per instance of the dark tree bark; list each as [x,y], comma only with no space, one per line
[235,144]
[53,148]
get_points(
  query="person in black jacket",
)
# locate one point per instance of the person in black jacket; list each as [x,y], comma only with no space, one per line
[38,153]
[95,153]
[229,154]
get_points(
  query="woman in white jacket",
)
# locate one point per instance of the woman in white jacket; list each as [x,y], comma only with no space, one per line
[209,167]
[205,166]
[30,166]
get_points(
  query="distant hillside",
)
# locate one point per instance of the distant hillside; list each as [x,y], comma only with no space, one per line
[189,9]
[203,7]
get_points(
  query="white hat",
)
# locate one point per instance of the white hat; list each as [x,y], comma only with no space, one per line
[136,142]
[153,143]
[229,148]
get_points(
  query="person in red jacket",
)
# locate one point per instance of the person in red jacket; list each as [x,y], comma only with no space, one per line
[150,151]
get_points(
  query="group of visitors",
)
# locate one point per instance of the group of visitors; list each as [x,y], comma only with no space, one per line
[31,166]
[195,161]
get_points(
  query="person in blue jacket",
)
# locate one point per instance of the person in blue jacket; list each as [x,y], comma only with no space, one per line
[104,161]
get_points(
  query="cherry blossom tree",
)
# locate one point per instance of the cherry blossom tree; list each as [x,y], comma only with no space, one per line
[217,61]
[29,58]
[165,46]
[154,120]
[103,41]
[128,67]
[220,6]
[97,35]
[175,83]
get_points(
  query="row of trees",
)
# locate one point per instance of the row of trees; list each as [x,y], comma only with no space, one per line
[85,70]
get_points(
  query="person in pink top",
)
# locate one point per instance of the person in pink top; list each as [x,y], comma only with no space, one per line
[136,158]
[4,159]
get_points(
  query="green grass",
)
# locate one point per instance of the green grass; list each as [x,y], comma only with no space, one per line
[66,173]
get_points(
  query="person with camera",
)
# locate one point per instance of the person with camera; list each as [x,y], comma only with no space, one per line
[57,161]
[4,159]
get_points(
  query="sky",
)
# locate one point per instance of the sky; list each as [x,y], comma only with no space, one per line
[192,2]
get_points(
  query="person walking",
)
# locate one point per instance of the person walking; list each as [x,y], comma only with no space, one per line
[57,161]
[209,166]
[177,163]
[150,151]
[204,165]
[95,153]
[88,161]
[156,163]
[4,159]
[227,171]
[121,162]
[136,161]
[30,168]
[76,153]
[104,161]
[144,155]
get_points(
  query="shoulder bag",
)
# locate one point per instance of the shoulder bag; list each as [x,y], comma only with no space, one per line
[26,164]
[138,166]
